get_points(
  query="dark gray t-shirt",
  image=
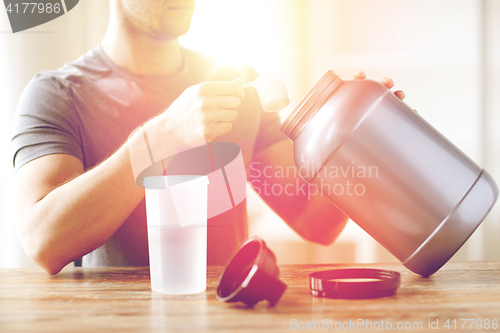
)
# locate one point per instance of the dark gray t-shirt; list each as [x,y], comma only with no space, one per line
[88,108]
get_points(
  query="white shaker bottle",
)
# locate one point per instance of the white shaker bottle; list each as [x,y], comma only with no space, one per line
[176,210]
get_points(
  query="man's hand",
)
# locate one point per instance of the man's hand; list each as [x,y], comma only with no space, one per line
[389,83]
[203,110]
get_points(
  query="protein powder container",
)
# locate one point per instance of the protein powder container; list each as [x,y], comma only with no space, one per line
[389,170]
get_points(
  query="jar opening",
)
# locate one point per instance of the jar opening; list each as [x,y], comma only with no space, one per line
[312,102]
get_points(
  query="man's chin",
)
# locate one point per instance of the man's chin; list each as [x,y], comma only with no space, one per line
[168,34]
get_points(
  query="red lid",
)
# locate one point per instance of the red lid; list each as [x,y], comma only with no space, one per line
[312,102]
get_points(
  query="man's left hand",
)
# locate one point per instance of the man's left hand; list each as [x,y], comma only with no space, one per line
[389,83]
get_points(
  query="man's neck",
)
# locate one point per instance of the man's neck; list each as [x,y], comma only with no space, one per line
[142,55]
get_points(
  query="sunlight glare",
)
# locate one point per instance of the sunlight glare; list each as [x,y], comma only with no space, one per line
[234,31]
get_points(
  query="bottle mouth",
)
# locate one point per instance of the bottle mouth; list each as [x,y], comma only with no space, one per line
[312,102]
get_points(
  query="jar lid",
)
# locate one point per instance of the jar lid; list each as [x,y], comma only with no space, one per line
[312,101]
[349,284]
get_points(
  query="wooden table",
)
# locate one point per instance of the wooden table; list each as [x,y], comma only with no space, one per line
[120,300]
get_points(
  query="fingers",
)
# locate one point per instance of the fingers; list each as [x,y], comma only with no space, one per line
[400,94]
[213,116]
[226,115]
[223,128]
[224,88]
[359,75]
[217,122]
[225,102]
[218,103]
[389,83]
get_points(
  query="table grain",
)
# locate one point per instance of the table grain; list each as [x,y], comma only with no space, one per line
[120,300]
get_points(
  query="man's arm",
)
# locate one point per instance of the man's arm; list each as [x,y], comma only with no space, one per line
[64,213]
[314,218]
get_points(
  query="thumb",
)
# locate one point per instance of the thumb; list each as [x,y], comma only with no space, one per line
[240,82]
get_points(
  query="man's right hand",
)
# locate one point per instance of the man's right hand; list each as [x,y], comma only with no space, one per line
[200,114]
[204,109]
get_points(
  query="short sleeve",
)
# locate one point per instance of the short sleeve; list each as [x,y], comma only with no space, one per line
[45,121]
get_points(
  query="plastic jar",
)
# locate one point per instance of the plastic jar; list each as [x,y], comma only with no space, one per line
[389,170]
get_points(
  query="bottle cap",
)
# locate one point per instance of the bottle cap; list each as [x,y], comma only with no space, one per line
[251,275]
